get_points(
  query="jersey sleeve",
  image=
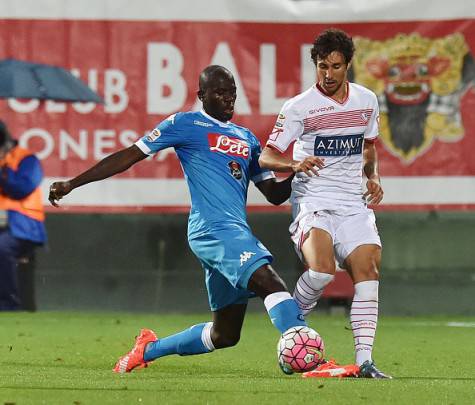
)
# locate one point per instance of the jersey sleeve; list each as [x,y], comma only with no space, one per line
[372,130]
[257,173]
[165,135]
[287,128]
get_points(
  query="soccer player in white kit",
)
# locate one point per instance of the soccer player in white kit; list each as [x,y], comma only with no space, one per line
[334,125]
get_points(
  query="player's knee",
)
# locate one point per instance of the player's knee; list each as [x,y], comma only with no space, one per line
[223,340]
[369,271]
[328,268]
[374,265]
[321,265]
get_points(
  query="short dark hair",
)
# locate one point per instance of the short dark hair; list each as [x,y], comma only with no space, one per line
[332,40]
[210,72]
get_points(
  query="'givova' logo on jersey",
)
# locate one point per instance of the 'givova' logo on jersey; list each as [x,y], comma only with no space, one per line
[342,145]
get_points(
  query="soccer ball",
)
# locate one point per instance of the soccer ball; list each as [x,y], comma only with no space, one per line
[300,349]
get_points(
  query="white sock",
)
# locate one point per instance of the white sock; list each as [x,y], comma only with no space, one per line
[275,299]
[309,289]
[364,319]
[206,336]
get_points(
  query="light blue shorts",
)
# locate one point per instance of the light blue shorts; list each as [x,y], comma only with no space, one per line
[229,258]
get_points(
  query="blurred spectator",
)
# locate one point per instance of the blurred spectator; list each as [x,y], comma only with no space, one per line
[21,213]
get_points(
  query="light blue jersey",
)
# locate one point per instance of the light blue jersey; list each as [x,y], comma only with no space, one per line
[218,159]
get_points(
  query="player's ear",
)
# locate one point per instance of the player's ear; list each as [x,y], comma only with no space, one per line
[200,94]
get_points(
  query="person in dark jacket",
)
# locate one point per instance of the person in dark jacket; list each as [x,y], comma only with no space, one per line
[21,213]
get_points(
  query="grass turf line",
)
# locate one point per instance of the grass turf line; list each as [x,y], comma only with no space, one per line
[67,358]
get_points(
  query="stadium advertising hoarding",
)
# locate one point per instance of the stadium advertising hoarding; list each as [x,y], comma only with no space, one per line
[145,64]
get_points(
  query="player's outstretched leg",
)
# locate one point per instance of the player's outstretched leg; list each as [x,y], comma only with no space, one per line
[223,332]
[194,340]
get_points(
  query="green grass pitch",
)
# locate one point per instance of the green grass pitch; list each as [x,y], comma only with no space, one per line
[67,358]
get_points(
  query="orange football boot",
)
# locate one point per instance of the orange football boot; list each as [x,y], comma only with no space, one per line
[134,358]
[332,369]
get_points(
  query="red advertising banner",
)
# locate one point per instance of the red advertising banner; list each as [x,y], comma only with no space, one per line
[423,73]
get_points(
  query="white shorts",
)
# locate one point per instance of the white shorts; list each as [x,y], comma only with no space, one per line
[348,231]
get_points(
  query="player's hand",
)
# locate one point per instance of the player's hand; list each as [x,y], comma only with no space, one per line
[310,166]
[374,193]
[58,190]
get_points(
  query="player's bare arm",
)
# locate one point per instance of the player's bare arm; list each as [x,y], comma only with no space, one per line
[274,160]
[374,193]
[107,167]
[276,192]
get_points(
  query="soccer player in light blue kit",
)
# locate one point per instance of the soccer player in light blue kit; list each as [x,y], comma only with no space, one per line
[219,159]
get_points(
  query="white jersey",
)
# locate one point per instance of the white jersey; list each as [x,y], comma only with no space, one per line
[334,131]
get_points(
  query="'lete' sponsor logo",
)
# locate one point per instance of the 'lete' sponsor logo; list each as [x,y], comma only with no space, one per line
[229,146]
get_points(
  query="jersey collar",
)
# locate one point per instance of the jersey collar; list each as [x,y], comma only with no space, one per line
[217,122]
[320,90]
